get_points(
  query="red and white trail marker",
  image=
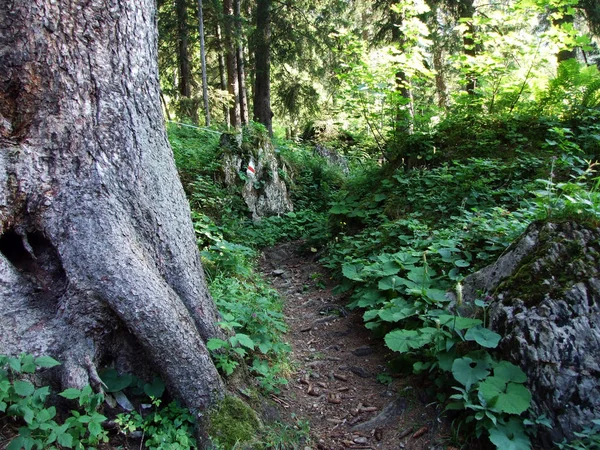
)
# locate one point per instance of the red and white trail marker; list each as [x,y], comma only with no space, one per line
[251,170]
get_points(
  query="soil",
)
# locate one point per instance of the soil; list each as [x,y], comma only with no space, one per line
[341,383]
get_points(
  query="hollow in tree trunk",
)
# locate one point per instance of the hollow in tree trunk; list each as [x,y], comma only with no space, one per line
[98,261]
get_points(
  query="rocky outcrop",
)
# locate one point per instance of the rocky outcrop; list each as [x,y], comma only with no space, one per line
[544,297]
[250,159]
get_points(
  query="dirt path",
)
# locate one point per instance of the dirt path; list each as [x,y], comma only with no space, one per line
[341,385]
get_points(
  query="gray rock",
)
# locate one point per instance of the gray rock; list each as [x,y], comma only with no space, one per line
[264,191]
[544,297]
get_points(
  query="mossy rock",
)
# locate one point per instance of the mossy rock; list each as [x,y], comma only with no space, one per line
[232,421]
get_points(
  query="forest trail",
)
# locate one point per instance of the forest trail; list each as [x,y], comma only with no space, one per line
[340,383]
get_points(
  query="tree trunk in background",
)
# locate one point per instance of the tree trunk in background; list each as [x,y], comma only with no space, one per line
[222,71]
[438,57]
[466,11]
[98,258]
[262,56]
[240,62]
[231,63]
[203,64]
[187,107]
[565,54]
[404,112]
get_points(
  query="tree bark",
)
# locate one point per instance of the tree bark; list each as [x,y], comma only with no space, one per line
[231,62]
[404,112]
[203,64]
[97,249]
[262,57]
[241,72]
[222,72]
[466,11]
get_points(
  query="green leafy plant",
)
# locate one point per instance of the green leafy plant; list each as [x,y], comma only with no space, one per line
[19,397]
[163,427]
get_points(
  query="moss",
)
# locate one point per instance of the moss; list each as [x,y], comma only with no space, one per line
[232,421]
[539,276]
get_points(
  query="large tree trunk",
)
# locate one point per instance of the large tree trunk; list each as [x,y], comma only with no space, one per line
[262,56]
[97,250]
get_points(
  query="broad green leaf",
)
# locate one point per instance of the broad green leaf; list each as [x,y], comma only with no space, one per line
[27,364]
[391,283]
[352,271]
[420,276]
[510,436]
[437,295]
[264,347]
[387,268]
[483,336]
[70,393]
[395,314]
[457,322]
[215,344]
[509,372]
[114,381]
[370,297]
[46,362]
[403,340]
[516,399]
[15,364]
[371,314]
[245,340]
[461,263]
[94,428]
[46,414]
[17,443]
[65,439]
[468,371]
[340,208]
[23,388]
[511,398]
[155,389]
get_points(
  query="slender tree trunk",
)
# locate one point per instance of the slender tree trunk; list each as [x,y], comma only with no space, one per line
[231,62]
[240,62]
[222,71]
[187,107]
[262,57]
[466,11]
[183,59]
[565,54]
[98,260]
[404,112]
[438,57]
[203,63]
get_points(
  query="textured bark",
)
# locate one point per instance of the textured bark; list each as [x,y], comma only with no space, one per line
[183,57]
[97,250]
[222,71]
[262,57]
[404,112]
[203,64]
[232,67]
[466,10]
[241,71]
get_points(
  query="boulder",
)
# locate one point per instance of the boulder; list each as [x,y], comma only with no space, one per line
[544,295]
[249,159]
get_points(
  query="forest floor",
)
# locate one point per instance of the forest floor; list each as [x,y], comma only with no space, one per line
[340,384]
